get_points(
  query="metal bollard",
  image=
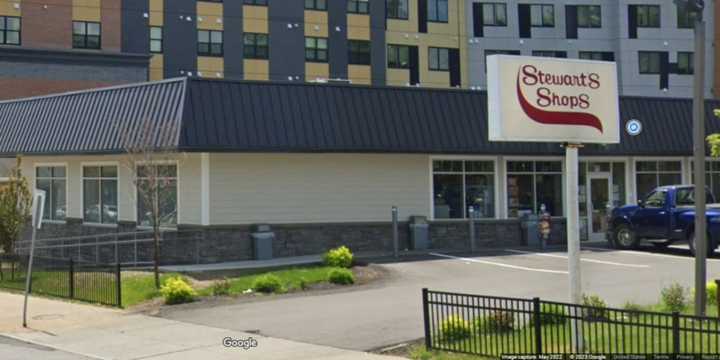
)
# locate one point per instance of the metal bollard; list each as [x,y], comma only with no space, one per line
[395,230]
[471,222]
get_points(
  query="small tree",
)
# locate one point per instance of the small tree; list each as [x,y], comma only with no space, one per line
[15,204]
[714,139]
[149,157]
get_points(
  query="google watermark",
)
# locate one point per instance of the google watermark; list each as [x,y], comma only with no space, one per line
[244,344]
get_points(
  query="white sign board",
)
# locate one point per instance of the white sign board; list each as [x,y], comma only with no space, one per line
[552,100]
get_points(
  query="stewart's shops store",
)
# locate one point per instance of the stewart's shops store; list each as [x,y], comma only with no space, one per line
[324,164]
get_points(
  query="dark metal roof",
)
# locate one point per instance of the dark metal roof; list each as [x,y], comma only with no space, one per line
[242,116]
[95,121]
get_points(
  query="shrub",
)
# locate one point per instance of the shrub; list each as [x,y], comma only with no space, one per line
[176,290]
[341,276]
[497,321]
[340,257]
[711,291]
[631,306]
[267,284]
[303,284]
[596,308]
[674,298]
[551,314]
[454,328]
[221,287]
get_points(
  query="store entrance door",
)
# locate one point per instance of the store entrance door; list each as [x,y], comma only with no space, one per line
[599,201]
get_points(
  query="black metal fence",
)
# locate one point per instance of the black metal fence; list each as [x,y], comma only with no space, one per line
[64,278]
[492,326]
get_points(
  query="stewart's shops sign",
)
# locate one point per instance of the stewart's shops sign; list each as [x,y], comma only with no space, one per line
[552,100]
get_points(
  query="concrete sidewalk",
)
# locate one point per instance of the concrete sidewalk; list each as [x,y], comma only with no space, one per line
[103,333]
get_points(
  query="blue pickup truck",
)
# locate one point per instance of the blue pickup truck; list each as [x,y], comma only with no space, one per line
[666,215]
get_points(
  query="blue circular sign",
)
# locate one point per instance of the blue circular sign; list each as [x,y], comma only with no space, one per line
[633,127]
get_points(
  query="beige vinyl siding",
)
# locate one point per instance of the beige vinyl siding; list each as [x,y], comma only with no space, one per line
[188,187]
[304,188]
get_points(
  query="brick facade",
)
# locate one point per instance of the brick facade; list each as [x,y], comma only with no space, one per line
[20,88]
[214,244]
[47,24]
[111,18]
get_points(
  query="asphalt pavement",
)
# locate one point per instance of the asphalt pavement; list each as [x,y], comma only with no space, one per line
[389,312]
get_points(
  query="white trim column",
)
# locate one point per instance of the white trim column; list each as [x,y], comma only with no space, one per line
[205,189]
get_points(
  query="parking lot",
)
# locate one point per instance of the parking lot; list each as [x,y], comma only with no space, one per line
[389,312]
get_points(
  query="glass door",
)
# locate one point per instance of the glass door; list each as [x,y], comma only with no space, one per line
[599,202]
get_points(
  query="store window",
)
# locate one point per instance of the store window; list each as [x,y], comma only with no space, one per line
[651,174]
[459,185]
[157,183]
[712,176]
[533,183]
[100,194]
[53,180]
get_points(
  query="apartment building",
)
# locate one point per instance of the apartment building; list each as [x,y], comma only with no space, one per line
[651,40]
[58,45]
[52,45]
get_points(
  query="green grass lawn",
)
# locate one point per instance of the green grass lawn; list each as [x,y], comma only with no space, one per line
[632,336]
[138,287]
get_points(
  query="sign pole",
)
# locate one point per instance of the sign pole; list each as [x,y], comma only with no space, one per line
[573,237]
[38,207]
[701,243]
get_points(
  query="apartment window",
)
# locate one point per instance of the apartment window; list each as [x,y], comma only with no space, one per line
[685,64]
[651,174]
[100,194]
[316,5]
[649,62]
[542,15]
[316,49]
[86,35]
[589,16]
[52,180]
[494,14]
[438,59]
[438,10]
[550,53]
[359,52]
[255,46]
[210,43]
[358,7]
[398,57]
[156,39]
[530,184]
[256,2]
[459,185]
[597,55]
[648,16]
[685,19]
[157,184]
[9,30]
[397,9]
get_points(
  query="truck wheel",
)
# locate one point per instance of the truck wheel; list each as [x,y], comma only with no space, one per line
[625,237]
[691,244]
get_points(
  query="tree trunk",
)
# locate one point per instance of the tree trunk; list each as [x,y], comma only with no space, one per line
[156,255]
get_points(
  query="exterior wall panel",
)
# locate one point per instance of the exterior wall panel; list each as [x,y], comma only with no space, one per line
[287,40]
[233,42]
[297,188]
[337,41]
[135,26]
[180,37]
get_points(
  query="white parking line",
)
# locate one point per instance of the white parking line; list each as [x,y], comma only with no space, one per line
[499,264]
[582,259]
[635,252]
